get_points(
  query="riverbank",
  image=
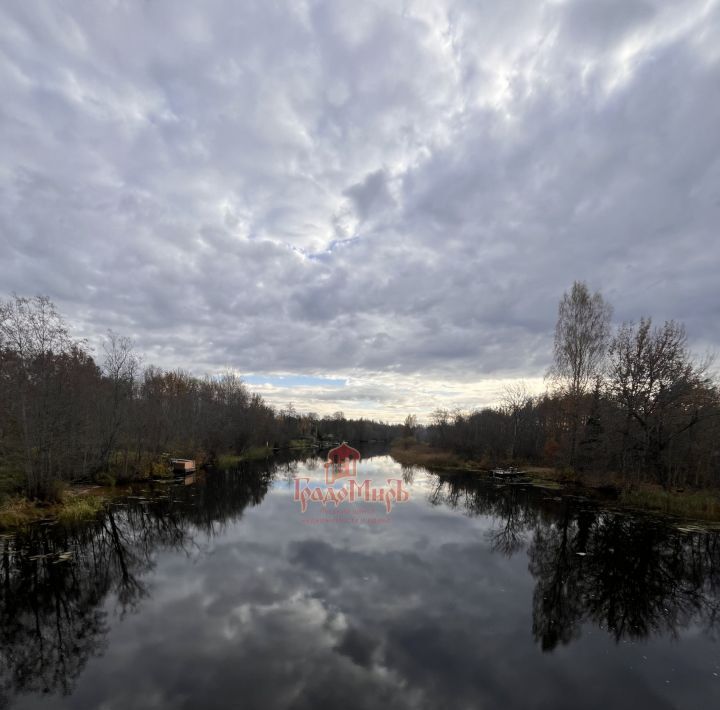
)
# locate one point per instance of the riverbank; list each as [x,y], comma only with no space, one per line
[81,502]
[686,504]
[76,505]
[257,453]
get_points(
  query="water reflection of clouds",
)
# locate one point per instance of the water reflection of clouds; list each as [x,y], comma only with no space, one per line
[421,613]
[311,618]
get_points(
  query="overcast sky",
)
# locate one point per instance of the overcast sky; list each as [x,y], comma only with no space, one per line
[366,206]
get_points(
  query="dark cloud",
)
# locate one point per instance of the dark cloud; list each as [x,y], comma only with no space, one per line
[349,188]
[371,195]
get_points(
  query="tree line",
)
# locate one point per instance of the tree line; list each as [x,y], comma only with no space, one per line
[631,401]
[65,416]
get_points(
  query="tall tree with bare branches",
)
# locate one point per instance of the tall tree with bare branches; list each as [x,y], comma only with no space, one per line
[582,334]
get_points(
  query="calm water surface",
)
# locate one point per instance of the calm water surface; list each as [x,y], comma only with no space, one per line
[222,594]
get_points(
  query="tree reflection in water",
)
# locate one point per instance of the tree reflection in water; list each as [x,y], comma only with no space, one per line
[52,612]
[632,575]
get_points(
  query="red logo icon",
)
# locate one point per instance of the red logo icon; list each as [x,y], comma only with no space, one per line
[341,463]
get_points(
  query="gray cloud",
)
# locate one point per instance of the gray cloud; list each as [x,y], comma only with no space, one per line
[351,188]
[371,195]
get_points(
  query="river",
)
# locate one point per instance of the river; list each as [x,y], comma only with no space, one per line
[220,592]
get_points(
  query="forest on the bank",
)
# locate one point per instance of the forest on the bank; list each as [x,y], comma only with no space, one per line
[65,416]
[631,401]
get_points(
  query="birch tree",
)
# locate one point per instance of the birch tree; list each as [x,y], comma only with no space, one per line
[582,335]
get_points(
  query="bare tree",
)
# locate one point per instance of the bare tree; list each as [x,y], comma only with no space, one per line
[32,327]
[121,367]
[515,399]
[37,356]
[410,425]
[582,334]
[661,391]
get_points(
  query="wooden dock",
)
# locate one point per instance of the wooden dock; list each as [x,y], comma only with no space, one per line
[183,465]
[511,475]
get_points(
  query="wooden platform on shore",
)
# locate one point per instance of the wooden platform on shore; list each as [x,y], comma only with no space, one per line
[183,465]
[507,474]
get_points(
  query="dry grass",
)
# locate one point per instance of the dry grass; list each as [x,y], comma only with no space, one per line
[690,505]
[16,512]
[226,461]
[546,473]
[413,453]
[254,453]
[79,508]
[697,505]
[75,507]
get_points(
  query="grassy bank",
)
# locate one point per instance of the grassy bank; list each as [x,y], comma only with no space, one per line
[692,505]
[76,506]
[257,453]
[703,505]
[254,453]
[414,453]
[76,503]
